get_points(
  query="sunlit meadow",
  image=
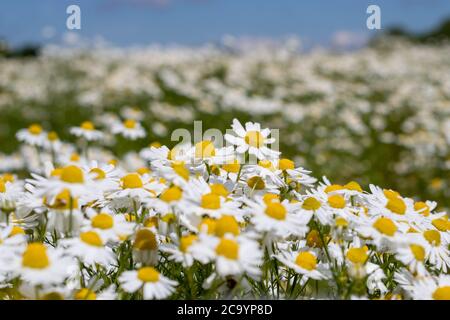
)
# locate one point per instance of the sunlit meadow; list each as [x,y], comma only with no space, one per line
[98,202]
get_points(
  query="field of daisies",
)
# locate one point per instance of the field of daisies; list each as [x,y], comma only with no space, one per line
[97,200]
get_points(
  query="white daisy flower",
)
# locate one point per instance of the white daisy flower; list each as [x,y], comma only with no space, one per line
[34,135]
[129,129]
[252,139]
[87,131]
[152,284]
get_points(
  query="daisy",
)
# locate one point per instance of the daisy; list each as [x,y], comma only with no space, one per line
[39,264]
[87,131]
[432,288]
[136,187]
[212,200]
[111,227]
[129,129]
[412,253]
[152,284]
[252,139]
[71,178]
[383,231]
[303,262]
[278,218]
[90,249]
[34,135]
[232,255]
[181,253]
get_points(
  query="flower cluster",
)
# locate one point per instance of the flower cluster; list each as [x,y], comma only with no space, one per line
[201,221]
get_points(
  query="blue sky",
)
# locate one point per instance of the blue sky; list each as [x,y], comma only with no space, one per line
[141,22]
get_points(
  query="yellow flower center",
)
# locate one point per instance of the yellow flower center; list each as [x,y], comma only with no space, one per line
[276,211]
[129,124]
[35,129]
[441,224]
[232,167]
[2,186]
[341,222]
[72,174]
[226,224]
[92,238]
[254,139]
[433,237]
[205,149]
[52,136]
[285,164]
[151,222]
[418,252]
[442,293]
[422,208]
[306,260]
[35,256]
[271,197]
[85,294]
[148,274]
[313,239]
[181,170]
[266,164]
[63,201]
[102,221]
[396,205]
[311,203]
[385,226]
[358,255]
[87,125]
[219,189]
[353,186]
[333,187]
[336,201]
[131,181]
[391,194]
[228,248]
[186,242]
[143,170]
[15,231]
[210,201]
[75,157]
[145,240]
[256,183]
[99,173]
[171,194]
[208,224]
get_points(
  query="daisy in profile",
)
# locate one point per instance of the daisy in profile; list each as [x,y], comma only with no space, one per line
[42,265]
[10,192]
[134,186]
[34,135]
[151,283]
[87,131]
[252,139]
[278,218]
[90,248]
[129,129]
[71,178]
[303,262]
[432,288]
